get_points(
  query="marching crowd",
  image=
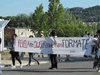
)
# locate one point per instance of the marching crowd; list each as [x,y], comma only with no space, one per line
[94,49]
[53,57]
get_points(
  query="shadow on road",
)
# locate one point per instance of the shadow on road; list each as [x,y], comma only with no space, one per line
[76,59]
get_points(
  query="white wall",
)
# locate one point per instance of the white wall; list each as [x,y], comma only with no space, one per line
[23,32]
[2,40]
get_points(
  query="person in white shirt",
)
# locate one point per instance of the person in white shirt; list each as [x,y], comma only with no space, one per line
[86,35]
[93,45]
[53,57]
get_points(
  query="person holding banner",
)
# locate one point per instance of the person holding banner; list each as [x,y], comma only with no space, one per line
[95,50]
[86,35]
[53,57]
[98,53]
[41,35]
[31,55]
[93,45]
[14,54]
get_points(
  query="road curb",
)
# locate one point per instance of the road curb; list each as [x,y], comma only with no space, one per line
[24,64]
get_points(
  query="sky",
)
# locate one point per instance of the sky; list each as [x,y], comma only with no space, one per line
[15,7]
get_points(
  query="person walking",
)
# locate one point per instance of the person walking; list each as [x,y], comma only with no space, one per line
[31,56]
[14,54]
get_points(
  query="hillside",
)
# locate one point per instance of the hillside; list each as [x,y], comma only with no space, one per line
[91,14]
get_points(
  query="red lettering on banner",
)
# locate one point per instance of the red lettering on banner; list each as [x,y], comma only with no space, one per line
[35,44]
[38,44]
[72,51]
[42,44]
[25,44]
[59,45]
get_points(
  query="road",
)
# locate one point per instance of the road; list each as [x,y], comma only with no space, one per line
[76,66]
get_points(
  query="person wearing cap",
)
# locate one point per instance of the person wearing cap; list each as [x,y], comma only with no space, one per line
[98,53]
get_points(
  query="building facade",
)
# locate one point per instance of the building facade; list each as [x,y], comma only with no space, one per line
[21,32]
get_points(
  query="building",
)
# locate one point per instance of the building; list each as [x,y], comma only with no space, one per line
[3,23]
[21,32]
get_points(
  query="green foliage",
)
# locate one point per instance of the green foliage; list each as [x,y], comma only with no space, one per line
[88,14]
[22,20]
[55,14]
[98,26]
[94,28]
[39,21]
[6,36]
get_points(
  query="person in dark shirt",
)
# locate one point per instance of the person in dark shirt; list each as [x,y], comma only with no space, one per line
[14,54]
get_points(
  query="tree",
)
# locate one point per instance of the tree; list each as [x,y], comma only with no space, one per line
[98,25]
[40,20]
[67,16]
[44,24]
[55,14]
[22,20]
[30,19]
[94,28]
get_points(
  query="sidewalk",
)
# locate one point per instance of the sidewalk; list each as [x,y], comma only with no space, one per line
[42,60]
[25,60]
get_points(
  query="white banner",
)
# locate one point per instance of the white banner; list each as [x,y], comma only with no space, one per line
[64,45]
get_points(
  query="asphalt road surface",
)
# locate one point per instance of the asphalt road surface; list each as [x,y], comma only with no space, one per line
[72,67]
